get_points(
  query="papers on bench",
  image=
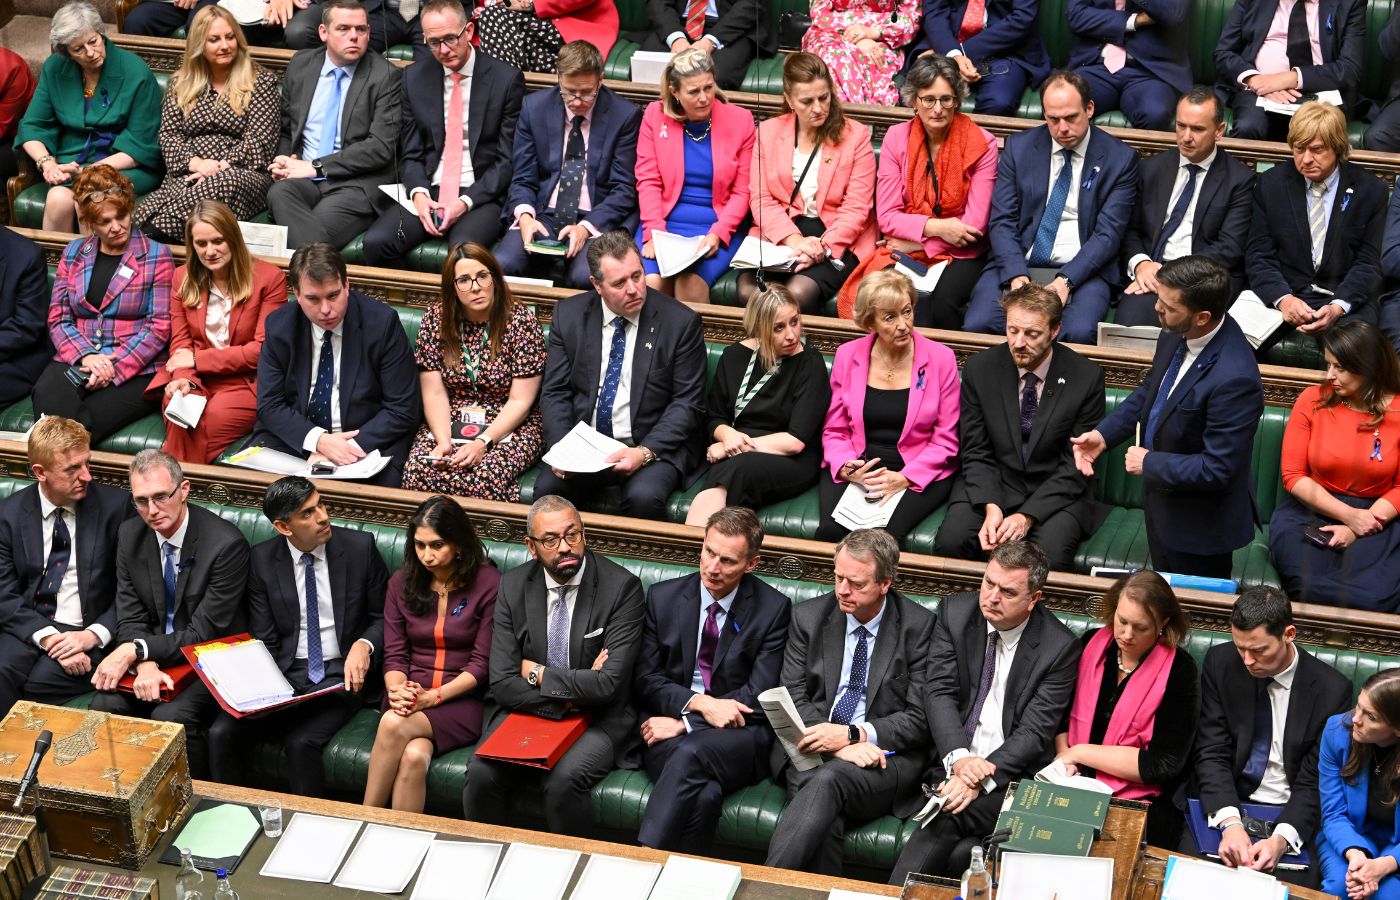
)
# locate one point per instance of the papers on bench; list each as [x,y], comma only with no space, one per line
[926,282]
[615,878]
[1055,773]
[773,256]
[275,462]
[1333,98]
[1129,337]
[1046,875]
[854,511]
[311,848]
[787,726]
[648,65]
[530,872]
[1190,879]
[456,870]
[583,449]
[185,410]
[385,859]
[687,878]
[265,239]
[675,253]
[246,12]
[1256,320]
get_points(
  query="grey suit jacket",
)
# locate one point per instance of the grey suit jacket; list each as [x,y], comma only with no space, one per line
[369,122]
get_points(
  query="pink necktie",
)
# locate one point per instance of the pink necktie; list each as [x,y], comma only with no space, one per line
[1114,56]
[453,142]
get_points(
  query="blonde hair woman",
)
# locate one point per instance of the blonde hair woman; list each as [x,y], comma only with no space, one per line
[218,130]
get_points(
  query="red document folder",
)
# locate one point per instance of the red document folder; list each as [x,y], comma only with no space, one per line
[532,740]
[192,656]
[182,674]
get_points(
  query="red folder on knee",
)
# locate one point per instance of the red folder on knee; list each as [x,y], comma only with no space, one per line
[533,740]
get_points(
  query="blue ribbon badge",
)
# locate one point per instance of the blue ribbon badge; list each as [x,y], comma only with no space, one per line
[922,370]
[1376,446]
[1089,182]
[1346,199]
[457,610]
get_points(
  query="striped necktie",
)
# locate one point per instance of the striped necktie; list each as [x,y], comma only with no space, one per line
[1317,219]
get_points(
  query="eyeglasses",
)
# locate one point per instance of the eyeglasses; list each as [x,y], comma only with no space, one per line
[573,537]
[930,102]
[437,44]
[472,282]
[585,97]
[154,500]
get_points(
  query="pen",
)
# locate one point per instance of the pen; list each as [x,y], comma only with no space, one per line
[1137,441]
[889,753]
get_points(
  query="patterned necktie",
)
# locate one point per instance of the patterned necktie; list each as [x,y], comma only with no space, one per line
[455,139]
[1164,390]
[1030,405]
[1178,213]
[1299,41]
[559,630]
[984,687]
[695,19]
[330,124]
[1258,761]
[408,9]
[319,412]
[855,688]
[612,377]
[315,659]
[1317,218]
[169,586]
[1054,208]
[1114,56]
[60,545]
[571,177]
[709,642]
[973,19]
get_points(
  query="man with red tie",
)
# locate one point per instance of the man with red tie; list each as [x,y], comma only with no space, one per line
[995,43]
[733,32]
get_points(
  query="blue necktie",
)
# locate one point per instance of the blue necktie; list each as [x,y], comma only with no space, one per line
[1054,208]
[608,393]
[320,409]
[1164,391]
[330,125]
[1258,761]
[1178,212]
[571,177]
[46,598]
[169,587]
[315,661]
[855,688]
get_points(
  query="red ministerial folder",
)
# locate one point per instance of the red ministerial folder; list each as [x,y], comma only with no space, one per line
[532,740]
[191,654]
[182,674]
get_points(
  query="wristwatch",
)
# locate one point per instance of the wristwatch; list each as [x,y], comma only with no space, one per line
[1069,282]
[647,456]
[485,439]
[534,677]
[853,731]
[320,172]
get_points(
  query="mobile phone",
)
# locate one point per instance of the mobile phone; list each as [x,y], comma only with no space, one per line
[1315,535]
[910,263]
[322,467]
[77,376]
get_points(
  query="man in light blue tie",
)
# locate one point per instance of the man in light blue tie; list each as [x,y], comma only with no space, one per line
[181,574]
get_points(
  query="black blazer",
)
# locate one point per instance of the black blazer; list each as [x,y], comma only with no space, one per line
[668,374]
[608,611]
[358,582]
[1279,258]
[1224,204]
[1342,36]
[895,681]
[1038,689]
[1389,42]
[25,347]
[22,558]
[209,586]
[738,20]
[497,91]
[1226,731]
[989,436]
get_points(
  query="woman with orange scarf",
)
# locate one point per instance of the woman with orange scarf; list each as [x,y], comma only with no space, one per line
[933,193]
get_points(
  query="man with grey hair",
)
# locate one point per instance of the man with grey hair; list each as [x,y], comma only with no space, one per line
[868,723]
[181,573]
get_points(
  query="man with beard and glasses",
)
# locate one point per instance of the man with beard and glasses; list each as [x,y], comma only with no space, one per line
[566,633]
[1194,417]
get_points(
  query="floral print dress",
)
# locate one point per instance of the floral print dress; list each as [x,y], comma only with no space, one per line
[860,79]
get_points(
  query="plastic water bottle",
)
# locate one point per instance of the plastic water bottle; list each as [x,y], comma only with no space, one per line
[977,881]
[225,891]
[189,884]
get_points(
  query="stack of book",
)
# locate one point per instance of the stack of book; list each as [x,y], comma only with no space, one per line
[71,883]
[22,857]
[1052,818]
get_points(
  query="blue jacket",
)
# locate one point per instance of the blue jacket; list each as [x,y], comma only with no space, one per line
[1343,803]
[1011,33]
[1161,47]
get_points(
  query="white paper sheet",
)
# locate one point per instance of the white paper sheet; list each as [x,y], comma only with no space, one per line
[615,878]
[456,870]
[674,253]
[399,193]
[787,726]
[1256,320]
[1142,338]
[583,449]
[686,878]
[530,872]
[773,256]
[854,511]
[246,12]
[385,859]
[311,848]
[275,462]
[1056,773]
[1041,876]
[1191,879]
[926,282]
[1333,98]
[185,410]
[265,239]
[649,65]
[246,675]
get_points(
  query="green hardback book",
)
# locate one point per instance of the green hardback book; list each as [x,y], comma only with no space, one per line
[1034,833]
[1067,803]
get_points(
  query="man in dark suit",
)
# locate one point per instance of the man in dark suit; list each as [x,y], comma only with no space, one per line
[340,119]
[181,575]
[1196,201]
[459,112]
[25,348]
[647,390]
[1389,303]
[1001,676]
[996,45]
[583,130]
[733,32]
[712,642]
[1195,414]
[855,668]
[1273,50]
[56,613]
[565,638]
[1134,56]
[1063,197]
[391,22]
[1384,132]
[1315,247]
[316,599]
[1264,702]
[336,378]
[1021,403]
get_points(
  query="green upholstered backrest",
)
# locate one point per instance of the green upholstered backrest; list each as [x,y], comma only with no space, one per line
[1115,486]
[1375,72]
[1206,21]
[1054,31]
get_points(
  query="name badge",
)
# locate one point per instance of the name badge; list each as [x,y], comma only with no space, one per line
[125,272]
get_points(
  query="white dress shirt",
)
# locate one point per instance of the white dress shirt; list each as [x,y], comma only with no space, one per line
[1179,241]
[989,734]
[808,189]
[177,540]
[217,312]
[1067,241]
[622,401]
[468,174]
[308,443]
[711,12]
[70,602]
[697,684]
[325,604]
[848,656]
[1194,346]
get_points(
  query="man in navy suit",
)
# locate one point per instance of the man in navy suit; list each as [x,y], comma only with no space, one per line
[1384,133]
[588,132]
[996,44]
[630,361]
[456,182]
[1062,201]
[336,378]
[24,311]
[58,569]
[1389,310]
[1196,201]
[712,641]
[1133,55]
[733,32]
[1271,49]
[316,599]
[1196,412]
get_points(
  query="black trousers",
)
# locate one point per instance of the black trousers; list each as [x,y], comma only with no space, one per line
[644,492]
[913,508]
[194,708]
[384,247]
[1166,559]
[731,61]
[1058,535]
[692,773]
[315,211]
[945,846]
[946,305]
[1252,123]
[28,673]
[102,412]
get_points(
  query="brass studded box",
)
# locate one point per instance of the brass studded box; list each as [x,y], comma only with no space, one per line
[110,785]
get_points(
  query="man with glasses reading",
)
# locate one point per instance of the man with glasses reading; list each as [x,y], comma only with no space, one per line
[575,160]
[565,636]
[181,575]
[459,113]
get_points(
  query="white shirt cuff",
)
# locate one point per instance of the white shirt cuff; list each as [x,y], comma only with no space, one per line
[419,190]
[870,734]
[141,645]
[954,53]
[1299,72]
[673,37]
[1135,262]
[1223,814]
[308,443]
[1131,25]
[1344,304]
[368,643]
[1290,837]
[951,759]
[521,210]
[466,201]
[713,40]
[1245,76]
[104,637]
[588,226]
[42,633]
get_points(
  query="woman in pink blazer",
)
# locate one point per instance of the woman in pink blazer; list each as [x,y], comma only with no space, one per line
[693,174]
[528,34]
[811,182]
[893,421]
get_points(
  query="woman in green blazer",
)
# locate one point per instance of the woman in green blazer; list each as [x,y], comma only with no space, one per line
[96,103]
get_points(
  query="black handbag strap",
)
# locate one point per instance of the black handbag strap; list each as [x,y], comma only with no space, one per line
[792,198]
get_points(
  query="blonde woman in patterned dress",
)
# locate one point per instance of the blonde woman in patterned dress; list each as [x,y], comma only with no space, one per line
[862,42]
[480,359]
[218,129]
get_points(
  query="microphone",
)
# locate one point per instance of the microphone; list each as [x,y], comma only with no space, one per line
[41,746]
[998,837]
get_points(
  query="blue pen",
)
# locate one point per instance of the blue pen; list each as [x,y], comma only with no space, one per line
[889,753]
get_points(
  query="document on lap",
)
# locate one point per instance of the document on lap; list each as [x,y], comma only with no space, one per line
[675,253]
[1332,98]
[275,462]
[787,726]
[583,449]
